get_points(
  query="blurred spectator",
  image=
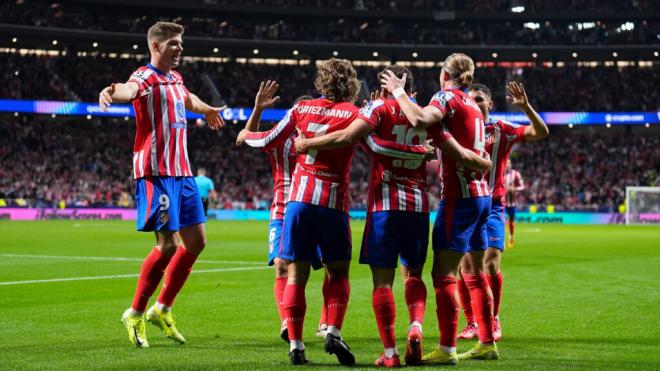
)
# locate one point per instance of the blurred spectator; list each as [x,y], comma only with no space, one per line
[568,88]
[85,163]
[406,30]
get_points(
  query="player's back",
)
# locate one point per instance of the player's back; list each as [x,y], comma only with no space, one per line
[500,137]
[282,162]
[464,120]
[322,176]
[395,184]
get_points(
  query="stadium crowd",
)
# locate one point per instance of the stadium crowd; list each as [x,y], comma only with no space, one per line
[353,29]
[568,88]
[83,163]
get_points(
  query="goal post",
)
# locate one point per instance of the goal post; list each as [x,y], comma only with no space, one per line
[643,205]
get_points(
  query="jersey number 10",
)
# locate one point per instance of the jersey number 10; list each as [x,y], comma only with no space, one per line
[407,135]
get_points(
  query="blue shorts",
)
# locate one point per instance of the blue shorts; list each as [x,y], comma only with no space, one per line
[511,212]
[274,240]
[308,228]
[495,226]
[390,234]
[167,203]
[460,225]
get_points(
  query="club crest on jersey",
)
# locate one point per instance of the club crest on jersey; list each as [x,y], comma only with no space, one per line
[164,217]
[443,97]
[510,137]
[387,175]
[367,110]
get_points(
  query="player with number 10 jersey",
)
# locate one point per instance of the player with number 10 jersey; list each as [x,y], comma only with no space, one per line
[460,224]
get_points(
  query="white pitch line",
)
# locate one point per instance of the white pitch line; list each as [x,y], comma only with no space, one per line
[112,258]
[92,278]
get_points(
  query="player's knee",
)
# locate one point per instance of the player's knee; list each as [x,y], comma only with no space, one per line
[167,247]
[492,266]
[281,268]
[338,269]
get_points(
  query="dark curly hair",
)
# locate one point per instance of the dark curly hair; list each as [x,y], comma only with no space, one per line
[337,80]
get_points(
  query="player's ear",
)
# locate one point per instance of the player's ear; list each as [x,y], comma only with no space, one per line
[490,106]
[155,46]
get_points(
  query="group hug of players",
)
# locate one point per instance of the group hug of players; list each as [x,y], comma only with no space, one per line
[310,151]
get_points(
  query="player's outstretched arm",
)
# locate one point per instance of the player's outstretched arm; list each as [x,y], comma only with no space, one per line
[271,138]
[337,139]
[264,99]
[416,115]
[117,93]
[517,97]
[388,148]
[463,156]
[211,114]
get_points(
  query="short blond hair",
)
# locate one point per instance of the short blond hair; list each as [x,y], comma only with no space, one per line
[163,30]
[460,68]
[337,80]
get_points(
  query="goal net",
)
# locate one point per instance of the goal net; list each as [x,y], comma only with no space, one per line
[643,205]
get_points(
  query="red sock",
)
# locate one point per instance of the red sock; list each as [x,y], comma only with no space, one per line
[151,273]
[177,273]
[510,228]
[464,296]
[278,290]
[336,296]
[495,282]
[415,298]
[446,309]
[482,305]
[324,307]
[294,308]
[385,310]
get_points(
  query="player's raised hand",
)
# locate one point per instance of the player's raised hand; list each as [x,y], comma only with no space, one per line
[265,96]
[390,82]
[376,94]
[214,118]
[516,94]
[105,97]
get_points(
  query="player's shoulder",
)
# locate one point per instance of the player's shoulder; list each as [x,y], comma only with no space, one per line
[142,73]
[443,96]
[373,107]
[507,124]
[348,106]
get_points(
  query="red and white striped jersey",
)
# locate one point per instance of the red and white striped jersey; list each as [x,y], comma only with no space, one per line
[321,177]
[500,137]
[282,162]
[464,121]
[160,113]
[513,182]
[395,183]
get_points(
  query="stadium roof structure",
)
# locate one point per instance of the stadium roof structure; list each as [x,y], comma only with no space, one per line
[123,42]
[36,37]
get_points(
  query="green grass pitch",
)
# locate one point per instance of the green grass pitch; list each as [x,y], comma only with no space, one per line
[582,297]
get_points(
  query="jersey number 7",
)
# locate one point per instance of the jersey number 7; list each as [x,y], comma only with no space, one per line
[318,130]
